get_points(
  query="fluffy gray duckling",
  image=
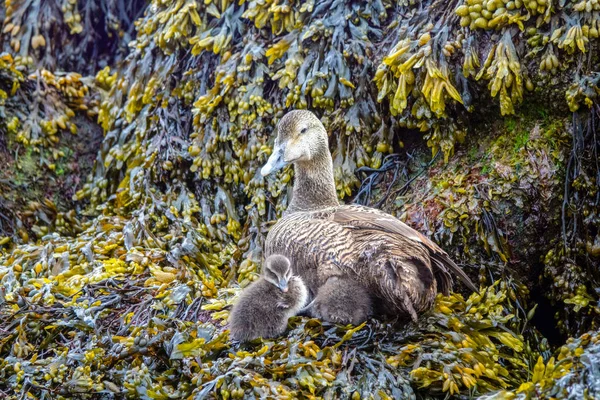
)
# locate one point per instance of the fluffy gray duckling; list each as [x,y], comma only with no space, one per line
[265,306]
[341,300]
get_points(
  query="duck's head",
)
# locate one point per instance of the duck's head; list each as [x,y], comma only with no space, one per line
[301,137]
[277,271]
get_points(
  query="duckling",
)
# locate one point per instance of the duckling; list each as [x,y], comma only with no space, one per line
[341,300]
[401,268]
[265,306]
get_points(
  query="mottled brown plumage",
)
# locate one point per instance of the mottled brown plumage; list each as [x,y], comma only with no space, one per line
[342,300]
[264,307]
[400,267]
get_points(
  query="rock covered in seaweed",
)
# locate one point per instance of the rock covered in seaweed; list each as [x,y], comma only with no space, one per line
[178,212]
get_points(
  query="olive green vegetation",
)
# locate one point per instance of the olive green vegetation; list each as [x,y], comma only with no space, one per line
[124,289]
[502,209]
[68,35]
[48,140]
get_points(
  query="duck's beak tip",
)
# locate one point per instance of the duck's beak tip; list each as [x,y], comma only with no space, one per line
[283,285]
[266,170]
[274,163]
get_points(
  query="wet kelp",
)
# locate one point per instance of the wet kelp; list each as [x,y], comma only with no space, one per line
[517,55]
[569,374]
[133,302]
[47,125]
[68,35]
[138,339]
[571,266]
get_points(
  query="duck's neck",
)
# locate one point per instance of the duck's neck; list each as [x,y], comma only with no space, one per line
[314,187]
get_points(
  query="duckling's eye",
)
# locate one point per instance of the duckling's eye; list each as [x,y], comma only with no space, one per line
[303,131]
[271,276]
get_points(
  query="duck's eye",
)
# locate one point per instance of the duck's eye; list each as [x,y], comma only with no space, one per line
[303,131]
[271,276]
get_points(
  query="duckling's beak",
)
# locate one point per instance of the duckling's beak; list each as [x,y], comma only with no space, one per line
[275,162]
[283,285]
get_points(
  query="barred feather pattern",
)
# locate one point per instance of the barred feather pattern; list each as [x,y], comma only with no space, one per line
[396,263]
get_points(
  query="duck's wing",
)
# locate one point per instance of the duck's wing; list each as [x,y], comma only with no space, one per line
[364,217]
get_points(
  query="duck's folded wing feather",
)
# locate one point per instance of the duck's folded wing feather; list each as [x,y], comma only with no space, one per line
[359,216]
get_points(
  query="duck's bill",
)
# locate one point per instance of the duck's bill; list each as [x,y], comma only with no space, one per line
[274,163]
[283,285]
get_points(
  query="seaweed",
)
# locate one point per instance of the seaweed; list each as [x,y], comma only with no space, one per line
[125,290]
[68,34]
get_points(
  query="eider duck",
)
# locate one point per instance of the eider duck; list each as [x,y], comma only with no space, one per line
[265,306]
[401,268]
[341,300]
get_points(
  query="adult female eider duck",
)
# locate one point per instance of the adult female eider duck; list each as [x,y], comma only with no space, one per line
[401,268]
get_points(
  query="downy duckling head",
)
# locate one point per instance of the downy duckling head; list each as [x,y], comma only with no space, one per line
[301,138]
[278,271]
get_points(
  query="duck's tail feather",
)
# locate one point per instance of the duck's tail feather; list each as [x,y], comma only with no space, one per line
[443,263]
